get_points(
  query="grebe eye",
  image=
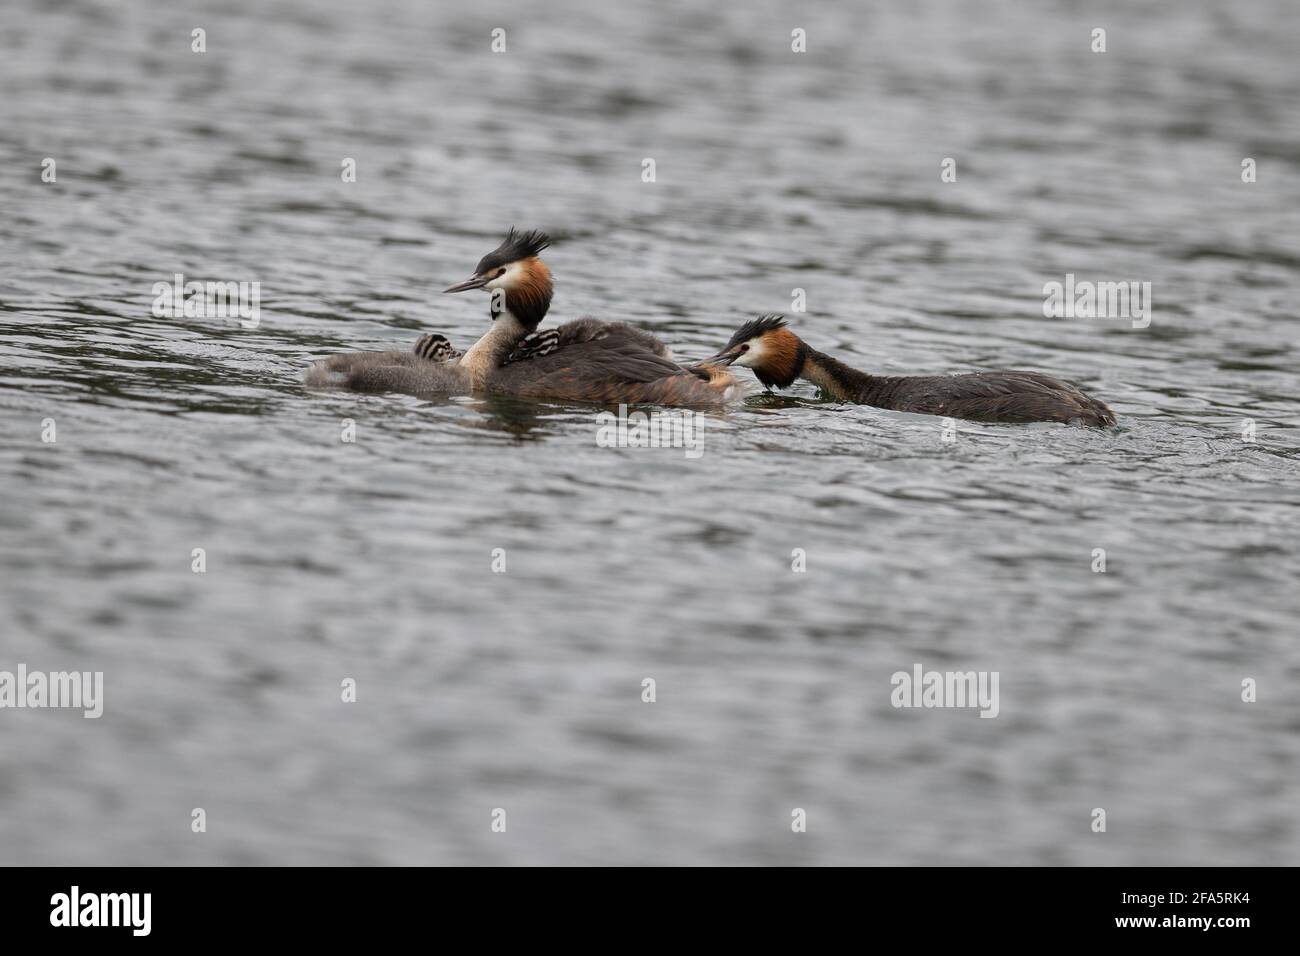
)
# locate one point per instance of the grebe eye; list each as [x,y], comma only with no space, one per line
[744,348]
[500,273]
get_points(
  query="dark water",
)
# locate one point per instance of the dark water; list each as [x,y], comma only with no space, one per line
[775,171]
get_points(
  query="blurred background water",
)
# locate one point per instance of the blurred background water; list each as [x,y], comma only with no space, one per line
[522,690]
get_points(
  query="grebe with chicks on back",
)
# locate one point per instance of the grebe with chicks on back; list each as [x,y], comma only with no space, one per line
[777,357]
[585,360]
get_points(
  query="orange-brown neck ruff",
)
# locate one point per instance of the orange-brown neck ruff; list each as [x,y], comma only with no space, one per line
[784,354]
[529,297]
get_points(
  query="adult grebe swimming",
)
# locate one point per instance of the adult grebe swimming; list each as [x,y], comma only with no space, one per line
[585,360]
[778,357]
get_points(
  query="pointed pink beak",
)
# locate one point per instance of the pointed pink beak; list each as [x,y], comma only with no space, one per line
[473,282]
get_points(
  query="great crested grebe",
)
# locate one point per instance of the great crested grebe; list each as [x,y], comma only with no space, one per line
[586,360]
[778,357]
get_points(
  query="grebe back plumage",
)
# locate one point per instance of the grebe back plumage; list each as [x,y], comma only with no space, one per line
[778,357]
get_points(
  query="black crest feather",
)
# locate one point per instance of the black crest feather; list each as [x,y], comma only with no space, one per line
[756,327]
[516,245]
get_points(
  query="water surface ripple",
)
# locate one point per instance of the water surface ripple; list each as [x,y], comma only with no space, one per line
[522,690]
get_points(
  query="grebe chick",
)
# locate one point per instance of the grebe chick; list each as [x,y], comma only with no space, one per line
[586,360]
[429,368]
[435,347]
[778,357]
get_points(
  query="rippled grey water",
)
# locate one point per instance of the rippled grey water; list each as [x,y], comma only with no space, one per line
[522,690]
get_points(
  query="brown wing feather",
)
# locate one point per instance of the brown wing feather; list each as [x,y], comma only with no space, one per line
[608,362]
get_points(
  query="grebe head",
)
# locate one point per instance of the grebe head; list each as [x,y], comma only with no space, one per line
[435,347]
[519,282]
[764,344]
